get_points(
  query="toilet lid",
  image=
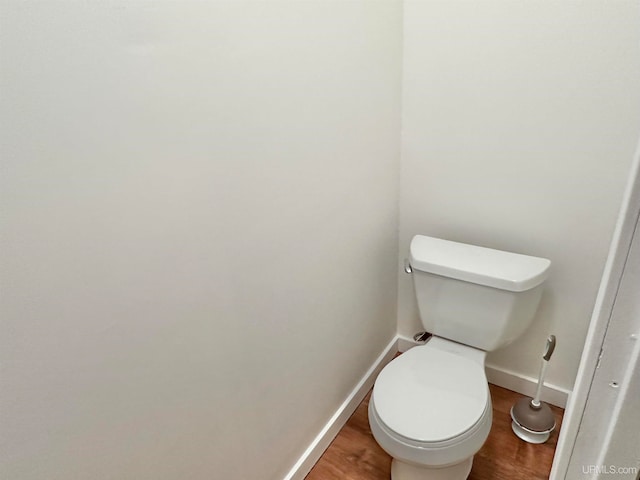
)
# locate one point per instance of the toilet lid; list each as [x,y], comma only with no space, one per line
[430,395]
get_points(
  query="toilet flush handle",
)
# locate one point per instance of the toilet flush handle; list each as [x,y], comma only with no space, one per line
[407,266]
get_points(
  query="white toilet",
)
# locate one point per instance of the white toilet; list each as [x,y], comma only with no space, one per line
[431,408]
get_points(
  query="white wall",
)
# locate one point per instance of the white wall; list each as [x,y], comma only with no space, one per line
[199,209]
[519,124]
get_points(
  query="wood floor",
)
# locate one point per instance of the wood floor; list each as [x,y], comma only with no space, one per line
[355,455]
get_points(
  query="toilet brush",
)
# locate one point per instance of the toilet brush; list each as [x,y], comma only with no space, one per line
[533,420]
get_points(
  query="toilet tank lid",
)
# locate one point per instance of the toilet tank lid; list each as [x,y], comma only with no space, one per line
[480,265]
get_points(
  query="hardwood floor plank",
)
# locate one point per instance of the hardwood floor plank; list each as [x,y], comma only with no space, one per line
[355,455]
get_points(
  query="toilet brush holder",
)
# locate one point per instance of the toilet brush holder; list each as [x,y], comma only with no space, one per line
[532,420]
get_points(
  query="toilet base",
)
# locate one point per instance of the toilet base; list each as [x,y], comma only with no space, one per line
[407,471]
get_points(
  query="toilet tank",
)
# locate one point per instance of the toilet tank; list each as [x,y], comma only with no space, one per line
[473,295]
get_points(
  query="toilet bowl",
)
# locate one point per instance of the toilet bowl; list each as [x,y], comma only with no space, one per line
[431,408]
[431,411]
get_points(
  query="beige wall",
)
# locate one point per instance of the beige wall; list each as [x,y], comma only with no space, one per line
[199,208]
[519,124]
[199,220]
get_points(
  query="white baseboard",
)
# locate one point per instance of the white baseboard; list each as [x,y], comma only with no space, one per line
[510,380]
[526,385]
[315,450]
[405,343]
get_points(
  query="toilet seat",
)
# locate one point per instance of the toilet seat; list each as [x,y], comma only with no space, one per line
[429,395]
[441,374]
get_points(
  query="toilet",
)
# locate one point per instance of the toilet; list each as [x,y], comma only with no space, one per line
[431,407]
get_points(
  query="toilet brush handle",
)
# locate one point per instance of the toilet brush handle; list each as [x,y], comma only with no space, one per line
[536,399]
[551,346]
[548,351]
